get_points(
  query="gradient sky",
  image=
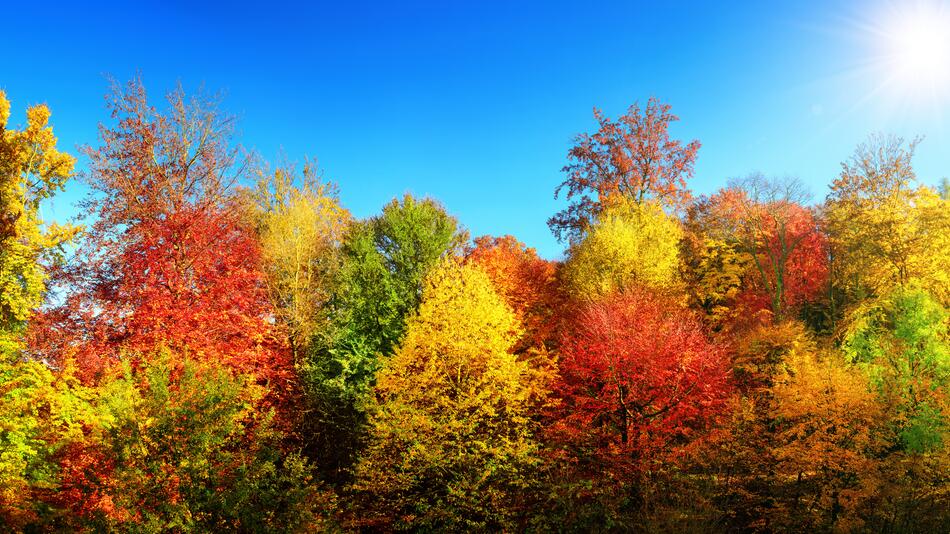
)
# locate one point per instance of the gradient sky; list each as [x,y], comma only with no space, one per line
[476,103]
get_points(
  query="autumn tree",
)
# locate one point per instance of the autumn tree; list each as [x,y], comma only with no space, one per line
[41,410]
[633,157]
[798,450]
[384,262]
[628,244]
[32,170]
[527,282]
[827,422]
[901,340]
[765,219]
[529,285]
[183,444]
[638,378]
[167,260]
[886,229]
[300,225]
[451,439]
[714,268]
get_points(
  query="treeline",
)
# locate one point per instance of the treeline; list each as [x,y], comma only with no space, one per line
[224,347]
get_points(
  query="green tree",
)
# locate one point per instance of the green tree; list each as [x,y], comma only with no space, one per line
[384,261]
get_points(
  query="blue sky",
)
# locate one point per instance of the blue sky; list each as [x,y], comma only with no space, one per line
[476,103]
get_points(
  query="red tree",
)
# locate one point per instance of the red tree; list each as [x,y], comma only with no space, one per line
[637,376]
[766,219]
[633,156]
[167,260]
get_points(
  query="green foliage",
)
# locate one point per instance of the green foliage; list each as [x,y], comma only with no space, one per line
[384,262]
[184,445]
[902,341]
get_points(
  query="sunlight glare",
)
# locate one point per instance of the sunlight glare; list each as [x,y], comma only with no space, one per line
[919,44]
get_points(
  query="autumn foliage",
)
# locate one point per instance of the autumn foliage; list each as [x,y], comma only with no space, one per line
[225,347]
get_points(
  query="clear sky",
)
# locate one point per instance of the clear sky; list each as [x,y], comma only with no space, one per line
[475,103]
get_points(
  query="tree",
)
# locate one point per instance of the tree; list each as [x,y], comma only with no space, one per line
[168,260]
[766,220]
[301,230]
[529,286]
[632,157]
[527,282]
[32,170]
[186,445]
[637,377]
[887,230]
[798,452]
[42,412]
[901,340]
[451,436]
[384,262]
[713,266]
[828,438]
[628,244]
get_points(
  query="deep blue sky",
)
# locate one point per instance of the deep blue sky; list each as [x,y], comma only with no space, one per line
[476,103]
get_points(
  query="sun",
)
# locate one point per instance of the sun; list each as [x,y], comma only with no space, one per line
[918,48]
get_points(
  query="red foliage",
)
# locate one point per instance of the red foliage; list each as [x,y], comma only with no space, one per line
[633,156]
[790,249]
[167,260]
[526,282]
[637,375]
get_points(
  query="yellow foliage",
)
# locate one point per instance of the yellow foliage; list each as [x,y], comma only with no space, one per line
[629,244]
[31,170]
[451,428]
[715,279]
[300,231]
[827,434]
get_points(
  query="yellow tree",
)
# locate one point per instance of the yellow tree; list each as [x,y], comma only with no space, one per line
[713,268]
[629,243]
[31,170]
[39,410]
[451,437]
[827,440]
[885,229]
[300,229]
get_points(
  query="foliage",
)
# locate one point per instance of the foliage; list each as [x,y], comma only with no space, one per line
[638,380]
[185,445]
[451,437]
[903,341]
[41,412]
[713,268]
[764,219]
[233,352]
[633,158]
[629,244]
[168,260]
[885,229]
[384,262]
[300,231]
[32,170]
